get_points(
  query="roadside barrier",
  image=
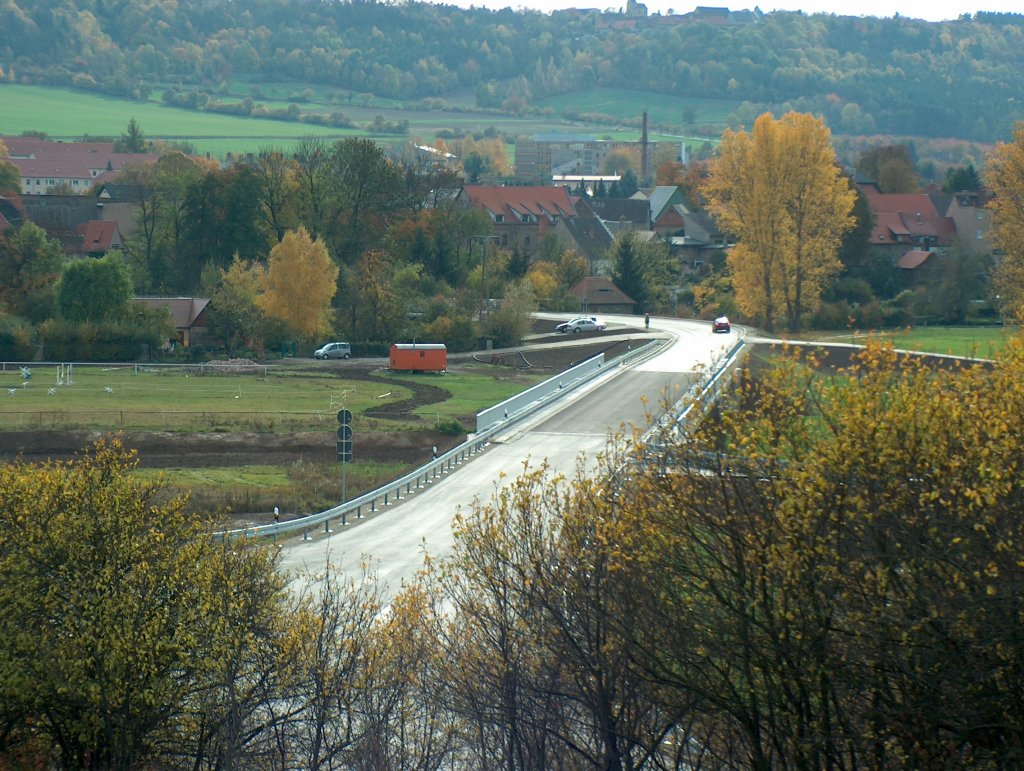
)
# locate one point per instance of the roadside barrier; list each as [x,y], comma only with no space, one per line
[497,418]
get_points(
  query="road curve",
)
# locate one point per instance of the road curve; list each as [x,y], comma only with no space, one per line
[576,429]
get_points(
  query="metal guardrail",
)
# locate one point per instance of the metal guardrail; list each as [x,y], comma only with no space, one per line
[387,495]
[568,380]
[706,391]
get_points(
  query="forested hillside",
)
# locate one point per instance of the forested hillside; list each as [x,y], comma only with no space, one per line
[892,76]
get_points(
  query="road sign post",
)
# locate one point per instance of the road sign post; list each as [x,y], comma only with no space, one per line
[344,450]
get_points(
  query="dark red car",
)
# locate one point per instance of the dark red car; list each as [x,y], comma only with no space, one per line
[721,324]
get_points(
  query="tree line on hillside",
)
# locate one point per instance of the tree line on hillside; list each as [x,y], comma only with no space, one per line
[853,71]
[822,572]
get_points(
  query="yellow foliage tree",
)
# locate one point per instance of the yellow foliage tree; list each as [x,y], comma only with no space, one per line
[299,284]
[834,564]
[120,611]
[1005,175]
[543,279]
[781,193]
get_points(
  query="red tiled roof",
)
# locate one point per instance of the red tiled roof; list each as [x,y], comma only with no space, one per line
[540,201]
[915,258]
[907,214]
[98,235]
[69,160]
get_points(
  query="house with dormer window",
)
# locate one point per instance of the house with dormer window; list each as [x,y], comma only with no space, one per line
[907,225]
[520,216]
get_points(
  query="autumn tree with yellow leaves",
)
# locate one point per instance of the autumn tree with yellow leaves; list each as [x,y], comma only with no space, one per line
[1005,175]
[832,566]
[780,192]
[298,285]
[133,637]
[126,622]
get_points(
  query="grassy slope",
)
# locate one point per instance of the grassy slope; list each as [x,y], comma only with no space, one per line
[627,104]
[69,114]
[975,342]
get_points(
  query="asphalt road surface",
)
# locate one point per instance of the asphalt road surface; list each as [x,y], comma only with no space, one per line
[574,430]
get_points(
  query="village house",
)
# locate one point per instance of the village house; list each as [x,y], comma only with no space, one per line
[905,223]
[75,166]
[520,216]
[83,224]
[597,295]
[188,315]
[972,219]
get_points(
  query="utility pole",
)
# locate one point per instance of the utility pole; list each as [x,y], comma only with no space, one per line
[485,307]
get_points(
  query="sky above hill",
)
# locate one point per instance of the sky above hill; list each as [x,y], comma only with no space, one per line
[937,10]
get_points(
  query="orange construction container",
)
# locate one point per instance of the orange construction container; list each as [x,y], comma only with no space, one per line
[419,357]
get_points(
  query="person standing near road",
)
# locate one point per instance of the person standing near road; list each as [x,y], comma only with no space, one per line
[647,321]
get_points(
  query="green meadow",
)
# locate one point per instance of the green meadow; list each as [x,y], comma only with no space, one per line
[154,398]
[268,399]
[71,115]
[627,104]
[972,342]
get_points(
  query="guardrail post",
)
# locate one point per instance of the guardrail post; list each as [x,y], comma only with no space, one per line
[327,525]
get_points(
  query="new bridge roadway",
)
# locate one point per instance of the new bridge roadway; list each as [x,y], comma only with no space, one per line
[575,429]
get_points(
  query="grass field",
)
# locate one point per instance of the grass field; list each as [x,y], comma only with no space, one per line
[297,489]
[179,399]
[270,399]
[627,104]
[974,342]
[70,114]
